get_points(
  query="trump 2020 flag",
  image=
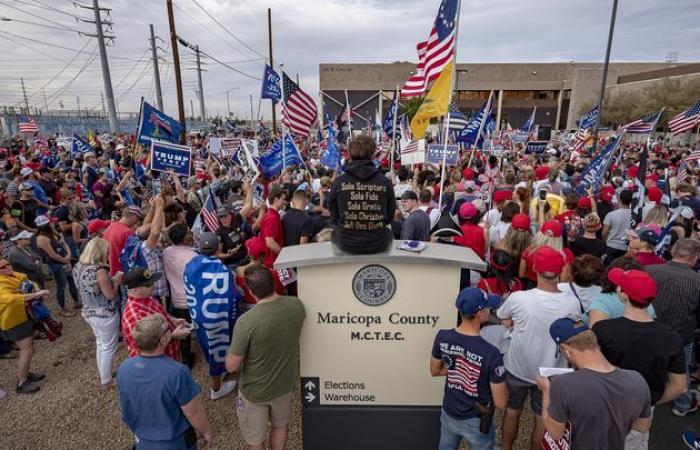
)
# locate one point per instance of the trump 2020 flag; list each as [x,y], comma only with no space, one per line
[79,145]
[156,125]
[331,157]
[388,124]
[272,161]
[593,174]
[212,299]
[590,119]
[271,85]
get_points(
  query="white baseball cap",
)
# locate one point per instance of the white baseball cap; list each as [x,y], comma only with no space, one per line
[41,221]
[24,234]
[26,171]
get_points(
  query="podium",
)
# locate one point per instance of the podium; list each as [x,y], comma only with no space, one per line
[367,339]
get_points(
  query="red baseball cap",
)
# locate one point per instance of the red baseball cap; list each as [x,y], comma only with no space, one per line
[542,172]
[639,286]
[520,222]
[467,210]
[500,196]
[655,194]
[468,174]
[546,259]
[257,249]
[552,228]
[607,194]
[97,225]
[584,203]
[632,172]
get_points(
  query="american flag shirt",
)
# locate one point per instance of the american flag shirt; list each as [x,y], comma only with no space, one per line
[135,310]
[472,364]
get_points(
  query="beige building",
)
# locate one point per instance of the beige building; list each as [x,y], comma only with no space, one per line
[559,90]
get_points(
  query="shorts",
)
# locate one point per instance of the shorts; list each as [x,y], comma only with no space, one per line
[254,418]
[19,332]
[517,393]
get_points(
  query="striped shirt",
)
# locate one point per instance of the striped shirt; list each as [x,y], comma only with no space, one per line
[154,260]
[135,310]
[677,297]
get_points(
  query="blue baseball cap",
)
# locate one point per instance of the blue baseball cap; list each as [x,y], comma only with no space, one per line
[565,328]
[472,300]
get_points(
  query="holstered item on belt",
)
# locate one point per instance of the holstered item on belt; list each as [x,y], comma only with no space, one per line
[486,416]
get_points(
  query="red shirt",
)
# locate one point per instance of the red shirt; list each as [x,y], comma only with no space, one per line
[527,256]
[491,286]
[649,258]
[248,296]
[271,226]
[135,310]
[473,238]
[116,234]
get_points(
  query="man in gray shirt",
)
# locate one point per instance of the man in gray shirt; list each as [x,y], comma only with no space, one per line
[416,227]
[570,413]
[615,227]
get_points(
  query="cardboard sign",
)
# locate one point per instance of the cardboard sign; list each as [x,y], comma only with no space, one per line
[434,154]
[536,147]
[167,156]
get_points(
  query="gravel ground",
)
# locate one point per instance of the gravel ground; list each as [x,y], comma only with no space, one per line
[70,412]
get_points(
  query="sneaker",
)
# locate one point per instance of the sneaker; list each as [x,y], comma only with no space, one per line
[225,389]
[691,440]
[694,405]
[34,377]
[27,388]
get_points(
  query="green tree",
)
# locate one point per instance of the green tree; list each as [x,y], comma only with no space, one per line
[410,107]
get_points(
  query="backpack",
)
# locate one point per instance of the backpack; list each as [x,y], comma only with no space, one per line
[131,255]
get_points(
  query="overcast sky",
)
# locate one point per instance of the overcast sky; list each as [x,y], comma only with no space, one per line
[306,33]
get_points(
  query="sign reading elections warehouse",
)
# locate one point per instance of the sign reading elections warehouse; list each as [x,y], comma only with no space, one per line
[166,156]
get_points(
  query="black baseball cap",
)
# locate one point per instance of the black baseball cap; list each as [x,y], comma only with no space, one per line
[140,277]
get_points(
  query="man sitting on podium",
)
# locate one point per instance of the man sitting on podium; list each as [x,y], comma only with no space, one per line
[362,202]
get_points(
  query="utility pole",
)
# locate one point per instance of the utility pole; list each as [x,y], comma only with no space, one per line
[199,80]
[298,80]
[228,103]
[102,99]
[176,68]
[605,72]
[77,99]
[252,119]
[106,76]
[192,109]
[156,72]
[272,64]
[46,103]
[24,92]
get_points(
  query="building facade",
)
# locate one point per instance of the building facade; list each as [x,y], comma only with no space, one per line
[559,90]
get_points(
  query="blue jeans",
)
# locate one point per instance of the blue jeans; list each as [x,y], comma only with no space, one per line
[63,278]
[452,431]
[683,402]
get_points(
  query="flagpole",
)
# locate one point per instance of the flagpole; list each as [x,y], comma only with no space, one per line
[481,128]
[284,134]
[393,132]
[653,128]
[449,102]
[349,111]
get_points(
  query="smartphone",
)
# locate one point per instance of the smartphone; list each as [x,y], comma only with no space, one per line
[543,194]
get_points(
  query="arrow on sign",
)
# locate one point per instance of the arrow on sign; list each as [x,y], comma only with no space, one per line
[310,397]
[310,385]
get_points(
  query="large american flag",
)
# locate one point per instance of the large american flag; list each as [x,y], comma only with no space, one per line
[434,53]
[208,212]
[686,120]
[27,125]
[646,124]
[299,110]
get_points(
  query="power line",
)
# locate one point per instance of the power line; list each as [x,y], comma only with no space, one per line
[227,31]
[46,7]
[38,17]
[57,46]
[70,82]
[226,65]
[3,35]
[141,76]
[36,24]
[207,28]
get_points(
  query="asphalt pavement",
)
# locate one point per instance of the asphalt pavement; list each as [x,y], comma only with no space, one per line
[666,429]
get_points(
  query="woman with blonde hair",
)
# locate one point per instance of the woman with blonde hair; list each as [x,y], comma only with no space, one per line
[518,237]
[99,296]
[657,215]
[549,235]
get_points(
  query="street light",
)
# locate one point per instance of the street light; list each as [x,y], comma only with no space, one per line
[228,101]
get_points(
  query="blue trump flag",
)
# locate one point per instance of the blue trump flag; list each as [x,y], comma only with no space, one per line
[156,125]
[468,134]
[212,299]
[331,157]
[589,120]
[530,122]
[166,156]
[79,145]
[271,85]
[388,124]
[593,174]
[272,161]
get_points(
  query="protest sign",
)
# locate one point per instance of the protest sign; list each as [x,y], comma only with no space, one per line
[215,146]
[536,147]
[435,151]
[167,156]
[229,146]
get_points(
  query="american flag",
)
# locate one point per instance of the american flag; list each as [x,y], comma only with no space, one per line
[464,376]
[434,53]
[686,120]
[407,144]
[27,125]
[646,124]
[580,140]
[457,120]
[694,155]
[208,212]
[299,110]
[682,172]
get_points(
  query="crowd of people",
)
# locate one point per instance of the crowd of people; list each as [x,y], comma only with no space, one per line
[573,281]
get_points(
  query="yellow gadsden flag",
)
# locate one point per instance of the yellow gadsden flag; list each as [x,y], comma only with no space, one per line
[435,103]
